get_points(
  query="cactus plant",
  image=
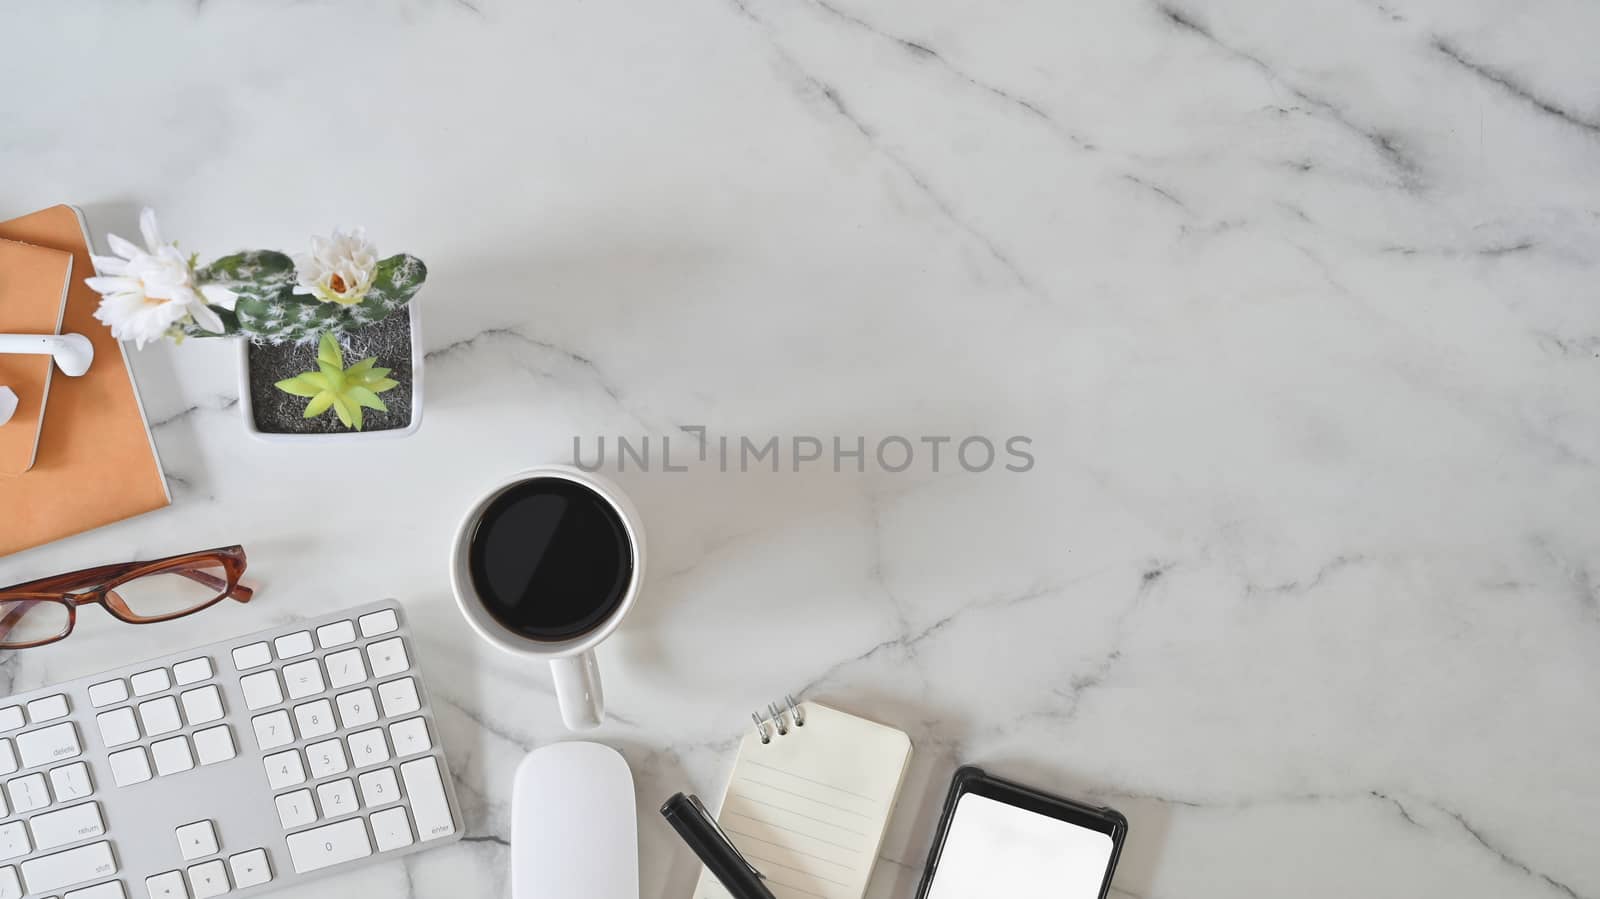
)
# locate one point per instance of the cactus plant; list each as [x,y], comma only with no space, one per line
[338,296]
[269,310]
[155,291]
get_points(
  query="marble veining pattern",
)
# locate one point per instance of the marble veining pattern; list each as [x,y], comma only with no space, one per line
[1296,303]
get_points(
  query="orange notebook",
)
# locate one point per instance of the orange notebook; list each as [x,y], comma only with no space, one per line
[96,462]
[33,292]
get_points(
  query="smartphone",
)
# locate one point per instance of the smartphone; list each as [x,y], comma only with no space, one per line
[997,838]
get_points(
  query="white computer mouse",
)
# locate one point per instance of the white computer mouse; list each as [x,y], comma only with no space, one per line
[574,825]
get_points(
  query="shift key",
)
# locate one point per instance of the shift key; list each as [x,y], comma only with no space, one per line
[63,869]
[50,744]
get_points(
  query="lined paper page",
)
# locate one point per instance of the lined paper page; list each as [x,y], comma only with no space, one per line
[810,809]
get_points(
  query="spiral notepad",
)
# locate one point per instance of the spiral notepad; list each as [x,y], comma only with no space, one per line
[809,801]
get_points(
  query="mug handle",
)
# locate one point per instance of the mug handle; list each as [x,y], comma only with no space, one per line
[577,679]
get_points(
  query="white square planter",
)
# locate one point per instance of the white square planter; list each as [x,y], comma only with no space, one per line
[246,406]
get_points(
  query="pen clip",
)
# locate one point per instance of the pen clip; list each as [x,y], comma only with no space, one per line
[706,813]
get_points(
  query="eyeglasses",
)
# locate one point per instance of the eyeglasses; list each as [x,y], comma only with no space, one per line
[44,611]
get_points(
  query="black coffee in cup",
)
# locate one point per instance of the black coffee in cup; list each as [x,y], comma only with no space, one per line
[550,559]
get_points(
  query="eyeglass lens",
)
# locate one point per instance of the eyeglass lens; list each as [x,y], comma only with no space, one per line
[27,621]
[173,591]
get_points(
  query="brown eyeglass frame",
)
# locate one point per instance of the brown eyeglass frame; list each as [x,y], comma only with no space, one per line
[97,586]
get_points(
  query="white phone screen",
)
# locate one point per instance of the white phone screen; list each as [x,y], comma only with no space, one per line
[996,850]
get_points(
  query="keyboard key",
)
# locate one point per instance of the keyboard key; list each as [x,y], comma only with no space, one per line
[197,840]
[303,678]
[52,744]
[8,758]
[130,766]
[147,682]
[261,689]
[333,844]
[338,797]
[27,794]
[428,803]
[250,869]
[377,623]
[410,737]
[160,716]
[14,841]
[209,879]
[296,809]
[336,634]
[192,672]
[253,656]
[203,706]
[345,668]
[10,886]
[167,886]
[71,782]
[399,697]
[118,727]
[107,693]
[285,769]
[391,828]
[214,745]
[110,890]
[295,644]
[379,787]
[367,748]
[315,719]
[326,758]
[64,869]
[273,730]
[47,709]
[11,718]
[172,756]
[69,825]
[388,657]
[357,708]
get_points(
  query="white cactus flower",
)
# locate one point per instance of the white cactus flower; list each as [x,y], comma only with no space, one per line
[145,292]
[339,269]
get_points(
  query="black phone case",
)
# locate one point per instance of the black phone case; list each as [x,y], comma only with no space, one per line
[971,779]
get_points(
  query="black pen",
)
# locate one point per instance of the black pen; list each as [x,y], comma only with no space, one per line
[688,816]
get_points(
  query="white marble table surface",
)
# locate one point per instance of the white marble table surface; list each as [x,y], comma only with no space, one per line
[1296,302]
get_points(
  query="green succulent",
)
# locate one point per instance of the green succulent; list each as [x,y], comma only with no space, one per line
[344,390]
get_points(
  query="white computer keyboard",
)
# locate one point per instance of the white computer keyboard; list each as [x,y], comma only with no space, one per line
[239,767]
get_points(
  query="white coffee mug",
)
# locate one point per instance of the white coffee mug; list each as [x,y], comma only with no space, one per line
[572,661]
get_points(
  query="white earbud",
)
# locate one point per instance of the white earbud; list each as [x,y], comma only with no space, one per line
[73,352]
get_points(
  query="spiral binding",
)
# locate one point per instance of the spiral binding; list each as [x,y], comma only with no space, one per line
[778,717]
